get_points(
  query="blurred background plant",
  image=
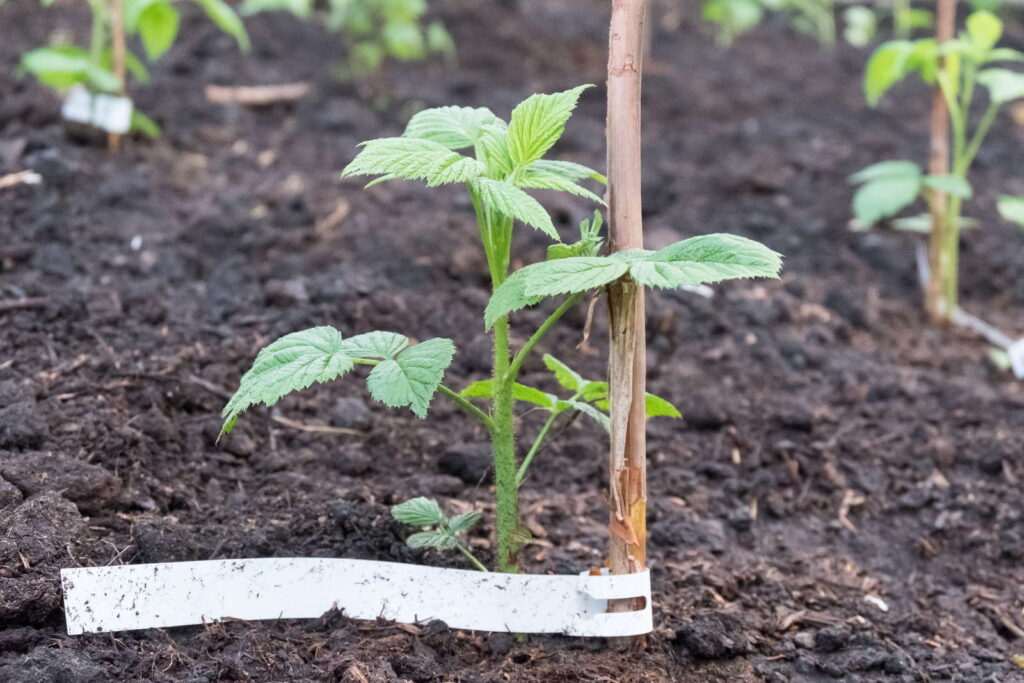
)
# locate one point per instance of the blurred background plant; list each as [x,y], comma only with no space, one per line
[375,31]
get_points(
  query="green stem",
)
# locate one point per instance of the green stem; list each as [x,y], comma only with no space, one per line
[521,474]
[467,405]
[524,352]
[504,449]
[963,164]
[471,557]
[98,36]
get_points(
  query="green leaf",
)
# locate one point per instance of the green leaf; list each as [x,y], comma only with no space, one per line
[492,149]
[145,125]
[293,362]
[452,127]
[888,187]
[1012,209]
[565,375]
[984,30]
[413,159]
[510,201]
[411,377]
[568,170]
[538,122]
[520,392]
[1003,85]
[656,406]
[705,260]
[1004,54]
[588,410]
[226,20]
[463,522]
[698,260]
[384,345]
[950,184]
[58,67]
[431,539]
[541,179]
[158,27]
[885,170]
[418,512]
[886,67]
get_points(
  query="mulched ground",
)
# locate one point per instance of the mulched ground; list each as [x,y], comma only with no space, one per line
[843,499]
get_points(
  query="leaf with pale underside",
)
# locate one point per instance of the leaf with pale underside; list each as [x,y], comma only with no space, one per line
[452,127]
[411,377]
[418,512]
[413,159]
[508,200]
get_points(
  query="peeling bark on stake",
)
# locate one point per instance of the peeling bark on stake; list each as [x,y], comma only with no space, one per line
[627,356]
[938,164]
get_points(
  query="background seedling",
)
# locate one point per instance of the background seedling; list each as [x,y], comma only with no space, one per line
[375,31]
[99,68]
[507,159]
[956,67]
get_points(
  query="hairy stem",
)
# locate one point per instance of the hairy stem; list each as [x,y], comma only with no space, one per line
[504,450]
[464,403]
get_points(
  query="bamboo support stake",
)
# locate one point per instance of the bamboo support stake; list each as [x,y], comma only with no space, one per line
[627,356]
[938,164]
[119,49]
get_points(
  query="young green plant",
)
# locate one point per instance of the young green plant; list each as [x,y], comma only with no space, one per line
[375,31]
[154,22]
[501,161]
[957,67]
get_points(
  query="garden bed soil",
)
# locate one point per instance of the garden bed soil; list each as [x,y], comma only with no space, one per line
[843,498]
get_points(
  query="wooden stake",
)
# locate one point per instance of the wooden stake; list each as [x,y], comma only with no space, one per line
[938,164]
[627,370]
[118,41]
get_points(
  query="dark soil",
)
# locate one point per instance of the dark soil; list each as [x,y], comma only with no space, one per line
[843,499]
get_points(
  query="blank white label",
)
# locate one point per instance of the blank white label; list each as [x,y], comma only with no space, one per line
[106,112]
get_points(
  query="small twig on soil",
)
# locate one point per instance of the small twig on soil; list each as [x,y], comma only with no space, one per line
[315,429]
[257,95]
[18,304]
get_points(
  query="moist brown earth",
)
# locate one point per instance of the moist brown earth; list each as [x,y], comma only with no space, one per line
[842,501]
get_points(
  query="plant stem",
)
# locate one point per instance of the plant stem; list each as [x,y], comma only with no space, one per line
[467,405]
[471,557]
[521,475]
[524,352]
[504,450]
[945,109]
[98,33]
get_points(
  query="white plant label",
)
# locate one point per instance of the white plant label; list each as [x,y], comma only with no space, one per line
[106,112]
[129,597]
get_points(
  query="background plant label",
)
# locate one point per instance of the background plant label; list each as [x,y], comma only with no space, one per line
[106,112]
[129,597]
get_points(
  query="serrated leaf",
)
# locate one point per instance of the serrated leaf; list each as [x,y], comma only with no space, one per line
[377,344]
[463,522]
[413,159]
[520,392]
[538,122]
[566,376]
[431,539]
[418,512]
[452,127]
[508,200]
[698,260]
[411,377]
[950,184]
[293,362]
[540,179]
[492,149]
[705,260]
[568,170]
[1003,85]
